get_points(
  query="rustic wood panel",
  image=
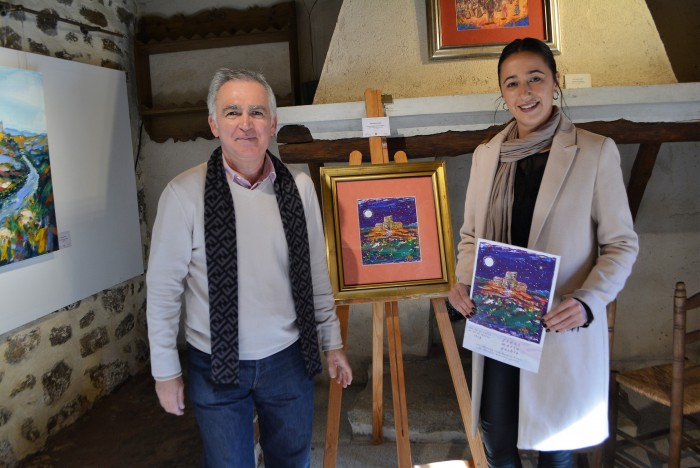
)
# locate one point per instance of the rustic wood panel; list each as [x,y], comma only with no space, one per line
[296,145]
[223,27]
[641,173]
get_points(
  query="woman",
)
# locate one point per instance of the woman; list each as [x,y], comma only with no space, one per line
[543,184]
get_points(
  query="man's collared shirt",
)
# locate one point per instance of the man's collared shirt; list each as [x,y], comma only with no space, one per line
[267,173]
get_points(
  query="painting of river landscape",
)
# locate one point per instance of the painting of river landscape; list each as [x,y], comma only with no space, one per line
[27,214]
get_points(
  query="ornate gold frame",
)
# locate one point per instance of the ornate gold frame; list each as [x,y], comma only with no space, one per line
[439,246]
[438,51]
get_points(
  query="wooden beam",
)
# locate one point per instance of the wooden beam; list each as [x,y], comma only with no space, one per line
[315,173]
[421,146]
[626,132]
[455,143]
[641,173]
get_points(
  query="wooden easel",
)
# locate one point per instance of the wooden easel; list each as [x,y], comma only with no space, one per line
[379,155]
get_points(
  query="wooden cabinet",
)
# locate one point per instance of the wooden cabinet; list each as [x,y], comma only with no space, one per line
[208,29]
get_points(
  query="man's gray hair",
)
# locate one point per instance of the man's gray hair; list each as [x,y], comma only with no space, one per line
[224,75]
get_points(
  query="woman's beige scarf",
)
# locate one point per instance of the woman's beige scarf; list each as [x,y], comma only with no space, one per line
[513,149]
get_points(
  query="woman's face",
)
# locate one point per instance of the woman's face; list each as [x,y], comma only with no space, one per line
[528,85]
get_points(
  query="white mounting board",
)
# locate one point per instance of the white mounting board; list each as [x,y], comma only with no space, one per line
[94,183]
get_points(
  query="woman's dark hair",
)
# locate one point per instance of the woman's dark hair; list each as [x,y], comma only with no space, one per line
[529,44]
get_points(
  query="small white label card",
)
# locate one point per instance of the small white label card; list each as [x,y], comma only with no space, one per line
[64,239]
[577,80]
[375,126]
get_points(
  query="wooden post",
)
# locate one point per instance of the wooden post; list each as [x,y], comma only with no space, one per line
[335,396]
[454,362]
[377,372]
[380,155]
[377,145]
[398,387]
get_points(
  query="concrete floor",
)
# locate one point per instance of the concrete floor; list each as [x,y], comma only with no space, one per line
[128,428]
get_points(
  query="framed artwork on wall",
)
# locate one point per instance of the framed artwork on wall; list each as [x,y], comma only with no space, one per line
[93,182]
[388,231]
[481,28]
[27,212]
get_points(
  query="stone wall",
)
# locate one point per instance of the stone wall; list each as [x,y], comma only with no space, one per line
[53,370]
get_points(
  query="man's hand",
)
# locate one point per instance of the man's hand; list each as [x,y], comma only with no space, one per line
[171,394]
[339,367]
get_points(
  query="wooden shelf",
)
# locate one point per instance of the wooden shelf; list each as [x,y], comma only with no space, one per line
[209,29]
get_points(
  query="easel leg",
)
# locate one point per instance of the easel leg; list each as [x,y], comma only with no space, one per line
[335,396]
[377,371]
[476,446]
[398,388]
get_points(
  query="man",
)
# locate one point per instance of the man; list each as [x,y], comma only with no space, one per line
[239,239]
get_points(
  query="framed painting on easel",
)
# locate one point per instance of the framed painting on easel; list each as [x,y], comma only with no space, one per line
[481,28]
[388,230]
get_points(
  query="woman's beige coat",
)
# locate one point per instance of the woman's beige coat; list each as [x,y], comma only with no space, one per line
[581,214]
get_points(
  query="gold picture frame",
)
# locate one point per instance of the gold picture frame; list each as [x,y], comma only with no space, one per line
[459,29]
[388,231]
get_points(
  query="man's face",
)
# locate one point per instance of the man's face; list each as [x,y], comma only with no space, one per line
[244,123]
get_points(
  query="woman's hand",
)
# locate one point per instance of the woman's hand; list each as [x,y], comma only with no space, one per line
[569,314]
[459,298]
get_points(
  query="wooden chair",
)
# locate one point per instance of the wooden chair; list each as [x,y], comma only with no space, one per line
[675,385]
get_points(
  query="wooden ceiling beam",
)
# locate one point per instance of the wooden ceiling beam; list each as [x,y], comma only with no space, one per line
[296,146]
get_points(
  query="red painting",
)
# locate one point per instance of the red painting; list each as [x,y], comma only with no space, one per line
[477,28]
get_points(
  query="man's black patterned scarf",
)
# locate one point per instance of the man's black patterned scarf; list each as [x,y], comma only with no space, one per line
[222,269]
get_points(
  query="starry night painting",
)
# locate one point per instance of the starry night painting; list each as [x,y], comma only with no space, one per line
[512,288]
[388,230]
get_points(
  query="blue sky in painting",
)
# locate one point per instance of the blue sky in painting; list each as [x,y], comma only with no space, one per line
[372,210]
[534,269]
[22,100]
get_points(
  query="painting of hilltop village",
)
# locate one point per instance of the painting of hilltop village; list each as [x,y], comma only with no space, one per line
[27,215]
[512,288]
[388,230]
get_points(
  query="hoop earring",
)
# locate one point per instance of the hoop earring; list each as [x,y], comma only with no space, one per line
[556,95]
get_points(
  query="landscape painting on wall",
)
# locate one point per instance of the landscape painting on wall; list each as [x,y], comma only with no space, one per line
[27,214]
